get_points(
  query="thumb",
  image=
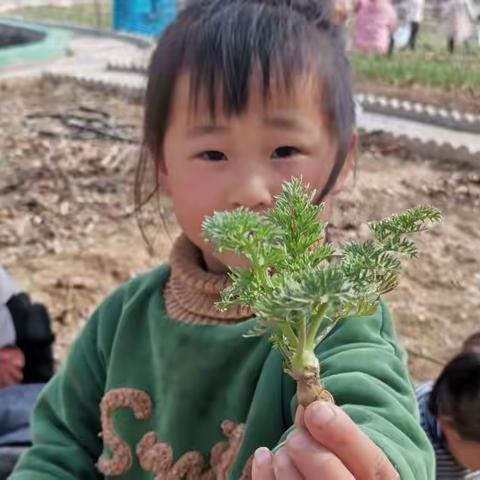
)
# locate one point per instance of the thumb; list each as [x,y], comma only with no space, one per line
[330,426]
[299,423]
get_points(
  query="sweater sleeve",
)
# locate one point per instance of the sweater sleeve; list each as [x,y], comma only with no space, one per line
[366,372]
[66,421]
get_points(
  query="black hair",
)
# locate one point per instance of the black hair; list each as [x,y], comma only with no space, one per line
[223,43]
[472,343]
[456,393]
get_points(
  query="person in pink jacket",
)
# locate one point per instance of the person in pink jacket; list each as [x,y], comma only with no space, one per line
[375,22]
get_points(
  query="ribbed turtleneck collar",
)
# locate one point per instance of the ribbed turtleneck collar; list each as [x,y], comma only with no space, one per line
[192,291]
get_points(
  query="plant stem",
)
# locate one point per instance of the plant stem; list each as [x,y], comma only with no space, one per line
[312,334]
[260,271]
[305,366]
[290,334]
[304,359]
[302,336]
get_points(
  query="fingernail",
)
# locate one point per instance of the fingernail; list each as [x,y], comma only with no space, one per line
[321,414]
[263,457]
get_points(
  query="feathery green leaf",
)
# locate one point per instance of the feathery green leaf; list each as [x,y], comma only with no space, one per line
[299,286]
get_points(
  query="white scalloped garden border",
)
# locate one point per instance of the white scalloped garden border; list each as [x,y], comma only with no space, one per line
[420,112]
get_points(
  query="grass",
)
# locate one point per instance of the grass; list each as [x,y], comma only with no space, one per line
[422,68]
[430,65]
[86,15]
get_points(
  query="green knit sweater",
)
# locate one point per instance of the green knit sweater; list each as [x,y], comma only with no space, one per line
[147,394]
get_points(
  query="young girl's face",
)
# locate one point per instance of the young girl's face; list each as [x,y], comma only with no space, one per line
[216,165]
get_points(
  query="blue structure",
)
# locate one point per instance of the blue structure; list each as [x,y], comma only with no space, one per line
[146,17]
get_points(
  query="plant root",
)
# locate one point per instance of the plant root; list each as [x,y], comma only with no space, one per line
[310,388]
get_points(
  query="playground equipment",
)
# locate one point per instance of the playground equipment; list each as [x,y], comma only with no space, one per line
[146,17]
[23,42]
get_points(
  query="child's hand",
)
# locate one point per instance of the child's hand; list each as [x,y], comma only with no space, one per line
[327,445]
[12,362]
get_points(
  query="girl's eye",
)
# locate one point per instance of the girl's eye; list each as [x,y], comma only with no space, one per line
[212,156]
[285,152]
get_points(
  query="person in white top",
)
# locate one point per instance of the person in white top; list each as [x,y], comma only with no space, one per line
[459,19]
[415,15]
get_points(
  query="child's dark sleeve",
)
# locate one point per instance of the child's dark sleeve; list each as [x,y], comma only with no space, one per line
[366,372]
[66,421]
[26,325]
[34,337]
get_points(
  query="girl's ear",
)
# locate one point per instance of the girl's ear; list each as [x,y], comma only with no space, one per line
[349,165]
[162,176]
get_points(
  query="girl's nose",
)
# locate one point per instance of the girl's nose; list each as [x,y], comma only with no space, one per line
[252,192]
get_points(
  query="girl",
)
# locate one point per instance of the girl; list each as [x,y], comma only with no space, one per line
[242,96]
[450,414]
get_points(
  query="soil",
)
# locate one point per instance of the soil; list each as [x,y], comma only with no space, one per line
[68,231]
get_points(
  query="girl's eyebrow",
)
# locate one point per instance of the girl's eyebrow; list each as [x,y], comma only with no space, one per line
[285,122]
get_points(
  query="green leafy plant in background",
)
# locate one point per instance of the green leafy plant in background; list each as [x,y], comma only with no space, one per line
[428,69]
[300,286]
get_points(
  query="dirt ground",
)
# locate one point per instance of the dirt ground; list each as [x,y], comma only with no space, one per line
[68,232]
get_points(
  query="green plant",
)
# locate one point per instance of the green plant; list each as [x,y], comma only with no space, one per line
[425,68]
[95,14]
[298,285]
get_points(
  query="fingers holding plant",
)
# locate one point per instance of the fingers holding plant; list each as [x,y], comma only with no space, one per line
[331,427]
[328,446]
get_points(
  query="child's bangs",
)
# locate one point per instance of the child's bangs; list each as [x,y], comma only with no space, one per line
[242,46]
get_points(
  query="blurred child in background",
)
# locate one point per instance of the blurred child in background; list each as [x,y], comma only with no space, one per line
[450,414]
[26,364]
